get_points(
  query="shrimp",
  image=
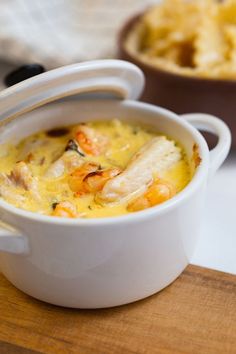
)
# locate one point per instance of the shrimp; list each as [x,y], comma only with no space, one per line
[69,160]
[89,178]
[21,176]
[95,182]
[91,141]
[159,192]
[83,181]
[76,178]
[65,210]
[154,158]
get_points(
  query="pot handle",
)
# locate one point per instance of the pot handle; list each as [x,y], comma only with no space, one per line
[212,124]
[12,242]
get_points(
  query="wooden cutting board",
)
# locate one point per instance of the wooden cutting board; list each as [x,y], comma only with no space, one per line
[196,314]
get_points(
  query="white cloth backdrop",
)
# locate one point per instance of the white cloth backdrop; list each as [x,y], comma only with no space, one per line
[60,32]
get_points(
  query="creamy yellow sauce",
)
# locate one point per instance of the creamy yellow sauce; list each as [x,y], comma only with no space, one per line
[41,150]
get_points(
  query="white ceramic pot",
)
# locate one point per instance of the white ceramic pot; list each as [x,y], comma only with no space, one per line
[95,263]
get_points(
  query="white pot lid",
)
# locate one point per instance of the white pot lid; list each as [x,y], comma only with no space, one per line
[121,78]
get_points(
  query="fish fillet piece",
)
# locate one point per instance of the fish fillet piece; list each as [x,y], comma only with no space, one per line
[8,191]
[155,157]
[30,146]
[22,177]
[66,163]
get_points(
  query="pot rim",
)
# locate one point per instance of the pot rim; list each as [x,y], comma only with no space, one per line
[139,216]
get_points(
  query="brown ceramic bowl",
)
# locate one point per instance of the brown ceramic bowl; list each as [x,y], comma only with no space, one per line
[183,94]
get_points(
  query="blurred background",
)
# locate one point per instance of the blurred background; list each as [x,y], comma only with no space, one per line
[60,32]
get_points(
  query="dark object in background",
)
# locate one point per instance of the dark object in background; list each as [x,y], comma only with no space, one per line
[57,132]
[184,94]
[22,73]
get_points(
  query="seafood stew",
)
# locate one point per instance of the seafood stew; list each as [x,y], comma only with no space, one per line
[97,169]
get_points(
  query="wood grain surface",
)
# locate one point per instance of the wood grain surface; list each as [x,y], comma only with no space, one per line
[194,315]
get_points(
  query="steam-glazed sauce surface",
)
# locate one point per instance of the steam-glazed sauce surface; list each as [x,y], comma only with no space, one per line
[97,169]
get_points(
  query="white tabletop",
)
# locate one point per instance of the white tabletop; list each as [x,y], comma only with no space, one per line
[217,243]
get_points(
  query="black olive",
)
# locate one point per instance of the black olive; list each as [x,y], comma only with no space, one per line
[135,131]
[54,205]
[22,73]
[72,145]
[57,132]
